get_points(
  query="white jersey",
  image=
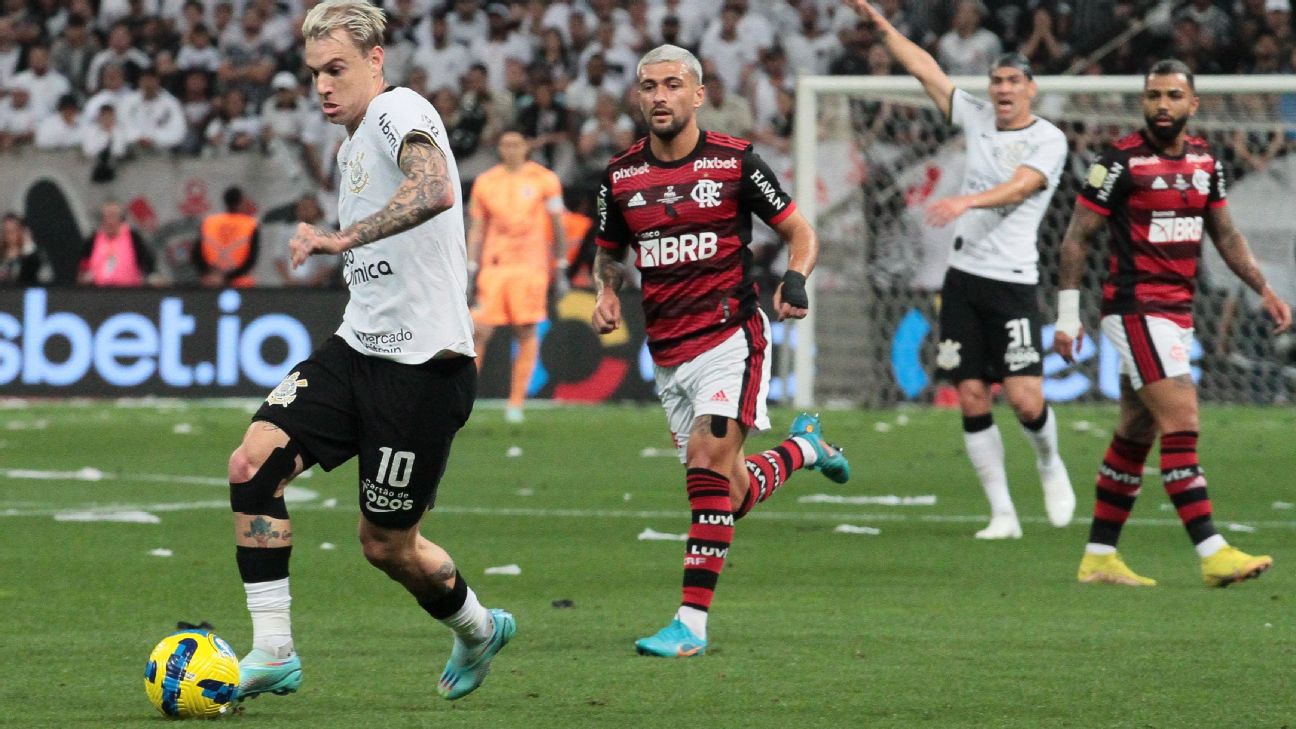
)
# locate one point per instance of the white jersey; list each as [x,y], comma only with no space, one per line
[408,291]
[1001,243]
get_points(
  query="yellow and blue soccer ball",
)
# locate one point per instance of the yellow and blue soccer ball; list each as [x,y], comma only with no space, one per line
[192,674]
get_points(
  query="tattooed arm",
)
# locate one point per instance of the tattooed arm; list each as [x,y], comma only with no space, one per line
[609,274]
[1233,248]
[1069,333]
[426,191]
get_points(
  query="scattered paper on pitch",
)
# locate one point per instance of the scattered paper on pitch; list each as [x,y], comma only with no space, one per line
[524,491]
[1235,527]
[123,517]
[651,452]
[329,503]
[182,429]
[504,569]
[328,546]
[160,552]
[1282,505]
[1081,426]
[878,500]
[652,535]
[513,451]
[852,529]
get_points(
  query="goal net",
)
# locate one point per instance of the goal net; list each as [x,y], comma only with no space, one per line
[871,152]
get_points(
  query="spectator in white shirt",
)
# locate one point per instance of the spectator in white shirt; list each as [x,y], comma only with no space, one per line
[583,93]
[119,52]
[105,141]
[689,13]
[18,119]
[753,28]
[499,45]
[10,52]
[114,92]
[233,129]
[249,56]
[733,55]
[198,52]
[196,103]
[61,129]
[810,47]
[157,119]
[44,84]
[283,116]
[968,49]
[621,62]
[442,59]
[467,23]
[722,111]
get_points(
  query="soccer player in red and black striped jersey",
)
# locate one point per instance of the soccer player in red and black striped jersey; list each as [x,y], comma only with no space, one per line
[682,200]
[1157,191]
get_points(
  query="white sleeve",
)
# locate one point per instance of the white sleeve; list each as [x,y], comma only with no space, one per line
[399,115]
[968,111]
[1048,155]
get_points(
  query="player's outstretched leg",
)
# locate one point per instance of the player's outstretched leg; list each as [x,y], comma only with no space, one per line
[820,455]
[469,663]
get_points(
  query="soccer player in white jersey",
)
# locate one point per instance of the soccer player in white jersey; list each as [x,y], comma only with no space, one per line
[393,385]
[989,314]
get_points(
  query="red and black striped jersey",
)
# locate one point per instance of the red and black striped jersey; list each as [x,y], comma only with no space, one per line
[1156,207]
[689,224]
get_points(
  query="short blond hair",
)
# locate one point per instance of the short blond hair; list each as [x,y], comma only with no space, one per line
[363,22]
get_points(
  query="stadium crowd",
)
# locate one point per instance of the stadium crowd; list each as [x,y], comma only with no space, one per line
[125,78]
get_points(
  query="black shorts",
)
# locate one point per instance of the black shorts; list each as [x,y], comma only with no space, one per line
[400,419]
[989,329]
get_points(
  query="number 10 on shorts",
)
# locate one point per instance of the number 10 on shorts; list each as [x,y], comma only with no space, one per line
[401,464]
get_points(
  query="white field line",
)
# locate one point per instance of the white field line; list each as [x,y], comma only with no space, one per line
[672,515]
[305,500]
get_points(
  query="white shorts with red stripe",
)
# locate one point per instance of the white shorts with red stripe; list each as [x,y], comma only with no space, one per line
[730,380]
[1151,348]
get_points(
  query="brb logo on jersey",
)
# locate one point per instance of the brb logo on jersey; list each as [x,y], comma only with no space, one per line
[683,248]
[1166,227]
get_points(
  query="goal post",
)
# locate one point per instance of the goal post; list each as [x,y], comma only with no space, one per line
[870,151]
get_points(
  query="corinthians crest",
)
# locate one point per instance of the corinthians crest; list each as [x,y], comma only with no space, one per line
[285,392]
[357,178]
[947,356]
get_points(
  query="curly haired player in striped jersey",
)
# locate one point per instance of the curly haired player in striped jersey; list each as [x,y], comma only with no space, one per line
[682,199]
[1157,191]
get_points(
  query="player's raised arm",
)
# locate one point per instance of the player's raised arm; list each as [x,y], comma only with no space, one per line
[1233,248]
[917,62]
[426,191]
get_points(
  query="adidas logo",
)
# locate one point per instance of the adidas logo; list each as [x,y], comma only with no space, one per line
[638,200]
[719,397]
[1159,184]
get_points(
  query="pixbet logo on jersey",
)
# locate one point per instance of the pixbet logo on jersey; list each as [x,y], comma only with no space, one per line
[714,163]
[671,249]
[626,173]
[1166,227]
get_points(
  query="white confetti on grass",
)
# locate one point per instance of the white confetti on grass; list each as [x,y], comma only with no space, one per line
[652,535]
[161,552]
[1282,505]
[852,529]
[327,546]
[513,451]
[651,452]
[504,569]
[877,500]
[525,492]
[38,424]
[182,429]
[881,427]
[1236,527]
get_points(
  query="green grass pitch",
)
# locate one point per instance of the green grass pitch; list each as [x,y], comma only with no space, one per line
[918,625]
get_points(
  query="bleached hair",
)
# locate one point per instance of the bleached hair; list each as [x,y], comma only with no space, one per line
[363,22]
[671,54]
